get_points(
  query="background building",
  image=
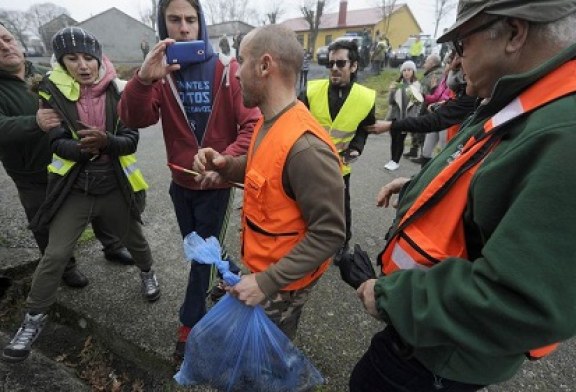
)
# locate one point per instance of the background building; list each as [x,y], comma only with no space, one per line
[119,34]
[396,24]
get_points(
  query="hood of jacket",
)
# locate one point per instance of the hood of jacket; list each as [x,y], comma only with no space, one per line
[202,28]
[70,88]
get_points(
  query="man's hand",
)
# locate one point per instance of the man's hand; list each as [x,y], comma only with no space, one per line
[248,291]
[208,162]
[154,66]
[379,127]
[366,294]
[392,188]
[47,119]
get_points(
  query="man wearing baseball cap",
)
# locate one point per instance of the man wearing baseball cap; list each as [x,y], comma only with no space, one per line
[478,270]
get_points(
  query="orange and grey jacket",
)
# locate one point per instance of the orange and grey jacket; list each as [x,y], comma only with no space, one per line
[272,222]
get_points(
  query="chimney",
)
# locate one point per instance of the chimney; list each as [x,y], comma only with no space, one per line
[342,13]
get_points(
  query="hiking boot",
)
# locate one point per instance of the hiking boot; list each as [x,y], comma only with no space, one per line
[119,256]
[72,277]
[19,347]
[180,348]
[150,286]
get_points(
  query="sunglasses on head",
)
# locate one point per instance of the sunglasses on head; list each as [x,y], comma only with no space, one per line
[339,63]
[458,42]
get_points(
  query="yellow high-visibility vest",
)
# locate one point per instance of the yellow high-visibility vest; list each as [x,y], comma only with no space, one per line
[357,106]
[62,166]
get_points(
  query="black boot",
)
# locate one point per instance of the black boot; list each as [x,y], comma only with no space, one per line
[413,153]
[72,276]
[421,160]
[119,256]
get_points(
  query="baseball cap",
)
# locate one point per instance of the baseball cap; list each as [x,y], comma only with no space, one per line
[538,11]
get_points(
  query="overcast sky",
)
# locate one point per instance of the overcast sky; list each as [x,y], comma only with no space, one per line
[80,10]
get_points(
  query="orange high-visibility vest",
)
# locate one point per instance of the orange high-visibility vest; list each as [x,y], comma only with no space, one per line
[452,131]
[272,222]
[432,229]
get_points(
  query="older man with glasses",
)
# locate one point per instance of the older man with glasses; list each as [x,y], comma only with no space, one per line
[344,108]
[479,265]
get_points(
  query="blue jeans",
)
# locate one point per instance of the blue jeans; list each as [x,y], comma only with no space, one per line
[388,366]
[205,212]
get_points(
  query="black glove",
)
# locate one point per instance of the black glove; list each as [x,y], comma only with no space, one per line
[356,268]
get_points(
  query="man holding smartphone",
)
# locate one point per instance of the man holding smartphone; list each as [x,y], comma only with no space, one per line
[201,106]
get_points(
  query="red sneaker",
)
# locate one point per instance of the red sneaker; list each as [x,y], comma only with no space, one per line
[180,349]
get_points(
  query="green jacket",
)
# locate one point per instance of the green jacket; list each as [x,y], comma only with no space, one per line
[473,320]
[24,148]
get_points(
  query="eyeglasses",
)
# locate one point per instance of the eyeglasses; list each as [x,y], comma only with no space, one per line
[458,42]
[339,63]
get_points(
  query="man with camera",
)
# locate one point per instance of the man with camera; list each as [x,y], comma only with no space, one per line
[201,106]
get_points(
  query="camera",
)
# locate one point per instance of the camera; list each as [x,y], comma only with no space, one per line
[186,52]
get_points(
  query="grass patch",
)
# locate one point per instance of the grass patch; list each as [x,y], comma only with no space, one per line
[87,236]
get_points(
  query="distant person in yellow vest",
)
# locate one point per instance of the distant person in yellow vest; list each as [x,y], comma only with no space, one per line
[344,108]
[478,271]
[416,51]
[93,174]
[293,215]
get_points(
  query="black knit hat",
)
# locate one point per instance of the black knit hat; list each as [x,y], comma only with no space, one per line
[75,40]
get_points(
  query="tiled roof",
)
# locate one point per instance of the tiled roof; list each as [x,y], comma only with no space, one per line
[354,18]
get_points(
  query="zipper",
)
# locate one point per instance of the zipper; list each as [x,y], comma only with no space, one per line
[260,230]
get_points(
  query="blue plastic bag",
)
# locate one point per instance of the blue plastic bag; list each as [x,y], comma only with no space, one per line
[236,347]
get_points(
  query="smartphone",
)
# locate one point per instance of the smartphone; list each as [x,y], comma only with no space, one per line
[186,52]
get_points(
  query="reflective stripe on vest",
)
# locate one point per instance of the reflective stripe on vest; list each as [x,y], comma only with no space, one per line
[272,223]
[444,199]
[132,172]
[356,108]
[62,166]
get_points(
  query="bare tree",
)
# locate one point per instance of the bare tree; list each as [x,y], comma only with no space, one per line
[17,22]
[275,11]
[220,11]
[443,8]
[312,11]
[148,15]
[39,15]
[386,9]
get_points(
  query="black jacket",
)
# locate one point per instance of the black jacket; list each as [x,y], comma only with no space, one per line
[121,141]
[24,149]
[452,112]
